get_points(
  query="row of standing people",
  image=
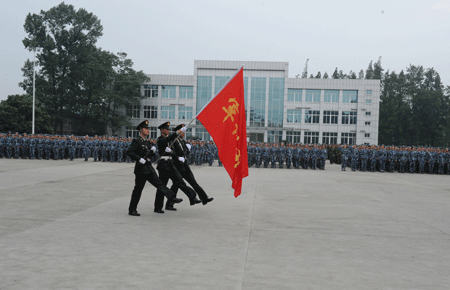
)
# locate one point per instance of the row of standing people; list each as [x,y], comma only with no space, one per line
[392,158]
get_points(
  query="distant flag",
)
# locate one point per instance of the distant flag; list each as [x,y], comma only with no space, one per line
[224,118]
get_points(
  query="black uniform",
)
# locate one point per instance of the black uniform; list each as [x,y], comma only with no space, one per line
[167,170]
[139,148]
[180,150]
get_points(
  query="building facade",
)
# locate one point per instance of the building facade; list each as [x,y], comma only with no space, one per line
[298,110]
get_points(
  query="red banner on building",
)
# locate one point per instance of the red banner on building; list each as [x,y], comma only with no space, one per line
[224,118]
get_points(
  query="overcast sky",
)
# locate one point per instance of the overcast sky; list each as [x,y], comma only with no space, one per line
[167,36]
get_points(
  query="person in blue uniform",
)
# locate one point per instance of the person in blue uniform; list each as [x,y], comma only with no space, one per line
[140,151]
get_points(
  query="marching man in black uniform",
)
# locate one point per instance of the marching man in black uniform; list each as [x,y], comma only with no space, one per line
[141,150]
[167,169]
[181,150]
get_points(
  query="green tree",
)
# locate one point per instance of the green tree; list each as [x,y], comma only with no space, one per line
[335,74]
[16,115]
[325,75]
[377,70]
[369,71]
[305,70]
[318,75]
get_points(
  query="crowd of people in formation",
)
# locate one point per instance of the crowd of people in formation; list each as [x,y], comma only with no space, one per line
[391,158]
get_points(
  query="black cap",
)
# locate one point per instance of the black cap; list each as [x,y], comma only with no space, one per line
[143,124]
[178,127]
[164,125]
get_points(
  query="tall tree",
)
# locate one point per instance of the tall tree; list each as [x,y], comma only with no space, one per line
[66,38]
[318,75]
[335,74]
[325,75]
[369,71]
[16,115]
[377,70]
[305,70]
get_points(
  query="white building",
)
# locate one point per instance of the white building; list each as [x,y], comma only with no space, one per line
[328,111]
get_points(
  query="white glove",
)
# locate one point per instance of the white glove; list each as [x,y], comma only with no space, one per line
[188,146]
[142,161]
[183,129]
[181,159]
[153,149]
[168,150]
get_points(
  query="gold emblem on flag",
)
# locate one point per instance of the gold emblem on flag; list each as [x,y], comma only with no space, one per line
[232,109]
[237,158]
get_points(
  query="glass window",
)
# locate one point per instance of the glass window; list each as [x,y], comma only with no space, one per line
[153,133]
[368,92]
[219,82]
[349,117]
[330,117]
[188,133]
[274,136]
[368,101]
[367,113]
[186,92]
[295,95]
[367,123]
[150,91]
[185,113]
[150,112]
[167,112]
[258,102]
[276,102]
[350,97]
[204,91]
[203,134]
[329,138]
[169,92]
[311,137]
[131,132]
[294,116]
[367,135]
[312,116]
[293,137]
[312,96]
[348,138]
[246,95]
[331,96]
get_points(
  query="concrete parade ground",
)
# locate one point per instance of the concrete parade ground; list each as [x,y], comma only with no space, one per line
[65,225]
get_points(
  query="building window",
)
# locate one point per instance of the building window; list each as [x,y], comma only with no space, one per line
[350,97]
[331,96]
[294,116]
[167,112]
[368,101]
[185,113]
[329,138]
[295,95]
[367,123]
[169,92]
[186,92]
[150,112]
[368,92]
[131,132]
[134,111]
[312,116]
[330,117]
[293,137]
[258,102]
[311,138]
[276,102]
[204,91]
[348,138]
[312,96]
[188,133]
[274,136]
[367,135]
[219,82]
[150,91]
[202,134]
[349,117]
[367,113]
[153,133]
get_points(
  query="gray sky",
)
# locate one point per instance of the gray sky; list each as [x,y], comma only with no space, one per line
[167,36]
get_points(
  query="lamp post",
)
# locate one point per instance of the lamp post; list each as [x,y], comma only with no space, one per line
[34,89]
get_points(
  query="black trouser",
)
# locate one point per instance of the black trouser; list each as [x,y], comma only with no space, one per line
[186,173]
[139,186]
[168,171]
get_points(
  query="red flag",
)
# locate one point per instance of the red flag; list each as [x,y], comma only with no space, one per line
[224,118]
